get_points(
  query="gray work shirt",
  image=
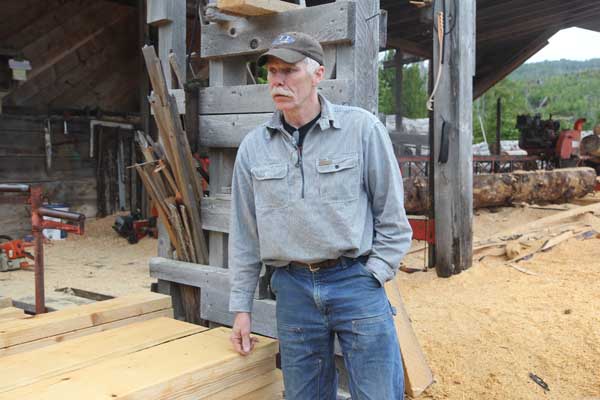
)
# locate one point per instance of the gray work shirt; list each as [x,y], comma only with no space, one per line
[341,196]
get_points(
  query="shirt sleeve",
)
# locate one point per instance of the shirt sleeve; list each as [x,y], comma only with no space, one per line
[244,253]
[383,181]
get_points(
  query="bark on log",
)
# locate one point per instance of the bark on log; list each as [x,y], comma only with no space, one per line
[490,190]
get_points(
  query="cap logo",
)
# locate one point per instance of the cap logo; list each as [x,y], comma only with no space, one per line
[283,39]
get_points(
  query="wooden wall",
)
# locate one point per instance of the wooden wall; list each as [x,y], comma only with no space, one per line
[83,53]
[71,178]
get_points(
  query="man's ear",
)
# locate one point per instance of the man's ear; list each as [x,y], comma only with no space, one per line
[319,75]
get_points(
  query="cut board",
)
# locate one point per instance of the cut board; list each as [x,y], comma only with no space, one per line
[417,374]
[17,332]
[180,369]
[9,313]
[78,353]
[255,7]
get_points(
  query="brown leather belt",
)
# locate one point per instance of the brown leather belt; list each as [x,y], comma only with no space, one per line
[317,266]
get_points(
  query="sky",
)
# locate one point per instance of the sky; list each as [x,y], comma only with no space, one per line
[572,44]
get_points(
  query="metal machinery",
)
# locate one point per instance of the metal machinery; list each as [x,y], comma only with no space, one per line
[13,254]
[543,138]
[33,196]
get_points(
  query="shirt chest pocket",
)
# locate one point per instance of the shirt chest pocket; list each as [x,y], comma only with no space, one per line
[270,186]
[339,178]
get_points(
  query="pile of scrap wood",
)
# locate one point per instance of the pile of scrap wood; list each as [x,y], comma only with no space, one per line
[147,358]
[524,242]
[169,172]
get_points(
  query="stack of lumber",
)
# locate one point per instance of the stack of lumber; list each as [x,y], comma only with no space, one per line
[19,335]
[541,235]
[169,171]
[8,312]
[158,358]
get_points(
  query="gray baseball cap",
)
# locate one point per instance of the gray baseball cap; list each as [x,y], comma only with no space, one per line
[292,47]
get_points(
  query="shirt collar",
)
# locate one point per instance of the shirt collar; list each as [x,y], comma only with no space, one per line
[328,118]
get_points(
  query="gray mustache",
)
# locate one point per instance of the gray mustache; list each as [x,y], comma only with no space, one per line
[280,91]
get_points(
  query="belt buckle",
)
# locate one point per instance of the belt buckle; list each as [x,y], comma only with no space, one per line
[313,269]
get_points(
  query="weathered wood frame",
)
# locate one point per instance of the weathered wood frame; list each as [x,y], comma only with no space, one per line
[230,107]
[453,178]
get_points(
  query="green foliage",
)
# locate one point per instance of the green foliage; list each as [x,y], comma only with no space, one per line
[414,90]
[567,90]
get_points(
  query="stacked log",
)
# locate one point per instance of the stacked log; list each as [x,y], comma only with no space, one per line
[492,190]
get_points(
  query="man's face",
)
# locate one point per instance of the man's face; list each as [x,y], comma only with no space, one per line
[290,85]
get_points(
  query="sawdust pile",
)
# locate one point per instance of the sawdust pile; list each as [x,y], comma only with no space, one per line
[484,330]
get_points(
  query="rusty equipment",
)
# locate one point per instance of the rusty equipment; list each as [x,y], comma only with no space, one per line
[13,255]
[33,196]
[543,138]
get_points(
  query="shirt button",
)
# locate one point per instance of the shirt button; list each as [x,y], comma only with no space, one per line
[337,166]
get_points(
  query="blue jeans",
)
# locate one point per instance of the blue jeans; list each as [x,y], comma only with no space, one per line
[346,300]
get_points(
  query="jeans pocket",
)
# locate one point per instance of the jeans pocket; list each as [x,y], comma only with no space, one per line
[367,273]
[272,280]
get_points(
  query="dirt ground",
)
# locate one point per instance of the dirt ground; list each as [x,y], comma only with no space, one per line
[483,331]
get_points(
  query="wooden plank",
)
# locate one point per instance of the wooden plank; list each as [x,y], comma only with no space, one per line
[5,302]
[214,307]
[453,177]
[328,23]
[48,341]
[71,319]
[247,388]
[88,350]
[201,276]
[9,313]
[272,392]
[228,130]
[179,95]
[256,98]
[417,374]
[256,7]
[188,368]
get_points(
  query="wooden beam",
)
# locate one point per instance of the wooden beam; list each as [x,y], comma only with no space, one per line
[51,340]
[228,130]
[453,137]
[482,84]
[328,23]
[256,98]
[409,47]
[357,62]
[196,366]
[71,319]
[256,7]
[88,350]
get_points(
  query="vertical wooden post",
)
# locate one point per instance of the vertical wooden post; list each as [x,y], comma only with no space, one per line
[453,139]
[170,18]
[498,149]
[398,63]
[226,72]
[359,62]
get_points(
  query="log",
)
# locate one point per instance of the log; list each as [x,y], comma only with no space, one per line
[492,190]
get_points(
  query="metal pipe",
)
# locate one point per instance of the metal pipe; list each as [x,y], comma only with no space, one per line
[36,225]
[108,124]
[14,187]
[51,212]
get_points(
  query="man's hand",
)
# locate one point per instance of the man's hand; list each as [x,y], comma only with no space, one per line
[240,334]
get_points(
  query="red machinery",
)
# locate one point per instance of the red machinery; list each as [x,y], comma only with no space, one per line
[38,224]
[13,255]
[544,138]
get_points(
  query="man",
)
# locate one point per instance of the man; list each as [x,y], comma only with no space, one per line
[317,194]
